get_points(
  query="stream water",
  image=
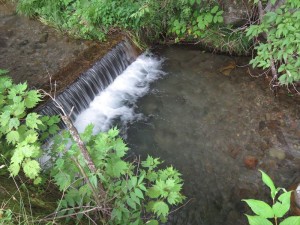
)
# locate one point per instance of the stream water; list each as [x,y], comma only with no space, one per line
[216,130]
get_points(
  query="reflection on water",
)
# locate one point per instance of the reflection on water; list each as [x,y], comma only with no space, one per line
[207,125]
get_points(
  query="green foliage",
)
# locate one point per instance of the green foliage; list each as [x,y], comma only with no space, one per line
[282,45]
[6,216]
[264,212]
[133,191]
[151,18]
[195,22]
[19,129]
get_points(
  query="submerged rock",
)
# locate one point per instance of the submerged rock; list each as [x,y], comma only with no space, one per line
[277,153]
[250,162]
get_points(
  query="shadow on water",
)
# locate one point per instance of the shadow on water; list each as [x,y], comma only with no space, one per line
[208,125]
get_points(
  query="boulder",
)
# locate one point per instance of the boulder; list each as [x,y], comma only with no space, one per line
[236,12]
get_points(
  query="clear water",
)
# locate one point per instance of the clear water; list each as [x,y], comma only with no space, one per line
[183,110]
[206,124]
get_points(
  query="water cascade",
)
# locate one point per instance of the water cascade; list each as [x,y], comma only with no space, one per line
[78,95]
[117,101]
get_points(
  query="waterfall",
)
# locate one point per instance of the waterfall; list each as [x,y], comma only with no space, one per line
[78,95]
[117,101]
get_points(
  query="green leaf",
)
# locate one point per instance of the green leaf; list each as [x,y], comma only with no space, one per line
[53,129]
[31,168]
[260,208]
[31,138]
[160,208]
[282,207]
[13,137]
[32,98]
[258,220]
[32,120]
[214,9]
[115,169]
[139,193]
[173,198]
[37,181]
[268,181]
[63,180]
[14,169]
[13,123]
[131,203]
[19,109]
[153,192]
[17,157]
[208,18]
[88,132]
[292,220]
[152,222]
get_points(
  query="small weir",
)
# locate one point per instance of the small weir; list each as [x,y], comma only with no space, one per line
[78,95]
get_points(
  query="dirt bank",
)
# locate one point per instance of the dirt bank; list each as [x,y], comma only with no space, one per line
[34,52]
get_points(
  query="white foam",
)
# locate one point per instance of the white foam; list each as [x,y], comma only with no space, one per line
[117,101]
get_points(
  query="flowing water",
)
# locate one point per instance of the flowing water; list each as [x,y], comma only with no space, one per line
[181,108]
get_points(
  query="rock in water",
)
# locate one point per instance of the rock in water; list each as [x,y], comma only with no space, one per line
[250,162]
[226,70]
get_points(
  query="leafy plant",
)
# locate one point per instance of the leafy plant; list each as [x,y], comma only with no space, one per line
[152,18]
[118,191]
[280,206]
[19,129]
[280,51]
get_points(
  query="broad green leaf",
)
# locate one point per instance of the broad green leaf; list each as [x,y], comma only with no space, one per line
[120,147]
[28,150]
[32,98]
[13,137]
[258,220]
[20,88]
[161,208]
[260,208]
[63,180]
[88,132]
[208,18]
[53,129]
[19,109]
[152,222]
[37,181]
[32,120]
[268,181]
[113,132]
[131,203]
[4,118]
[173,198]
[115,169]
[14,169]
[13,123]
[133,181]
[153,192]
[292,220]
[31,138]
[282,207]
[138,193]
[17,157]
[214,9]
[31,168]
